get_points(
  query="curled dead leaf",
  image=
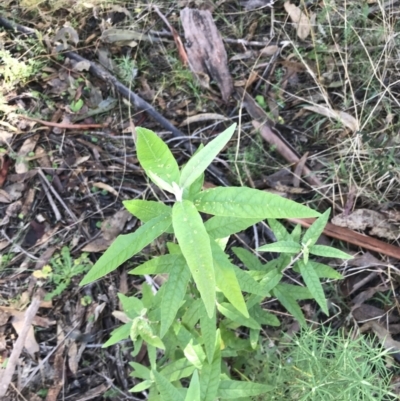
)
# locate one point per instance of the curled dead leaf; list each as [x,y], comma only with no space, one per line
[299,19]
[345,118]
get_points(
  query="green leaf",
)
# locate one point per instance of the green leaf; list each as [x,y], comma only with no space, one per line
[203,158]
[154,156]
[282,247]
[250,260]
[118,334]
[311,279]
[144,385]
[254,337]
[210,373]
[289,303]
[312,234]
[145,331]
[325,271]
[192,314]
[263,317]
[194,189]
[193,393]
[140,371]
[178,370]
[174,249]
[296,233]
[208,326]
[279,230]
[296,292]
[328,251]
[146,210]
[195,246]
[231,313]
[247,283]
[195,354]
[249,203]
[232,389]
[125,246]
[174,292]
[226,279]
[168,391]
[132,306]
[221,226]
[271,280]
[159,265]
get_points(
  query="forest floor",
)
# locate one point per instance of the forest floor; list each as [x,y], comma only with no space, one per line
[315,92]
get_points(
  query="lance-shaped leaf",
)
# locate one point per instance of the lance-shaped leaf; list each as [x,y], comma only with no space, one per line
[195,246]
[159,265]
[231,313]
[311,279]
[286,299]
[203,158]
[208,326]
[174,292]
[193,392]
[145,210]
[232,389]
[250,260]
[125,246]
[177,370]
[226,279]
[154,156]
[249,203]
[210,373]
[312,234]
[167,390]
[328,251]
[221,226]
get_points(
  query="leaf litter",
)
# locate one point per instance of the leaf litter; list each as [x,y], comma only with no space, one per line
[74,134]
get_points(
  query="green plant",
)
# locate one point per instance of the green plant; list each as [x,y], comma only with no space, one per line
[193,316]
[322,365]
[61,270]
[15,71]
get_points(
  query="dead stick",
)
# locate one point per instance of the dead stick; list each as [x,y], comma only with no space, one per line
[64,125]
[7,373]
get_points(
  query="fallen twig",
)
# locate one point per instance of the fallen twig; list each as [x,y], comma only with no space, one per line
[64,125]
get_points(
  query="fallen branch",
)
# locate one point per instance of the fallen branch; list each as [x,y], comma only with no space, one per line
[64,125]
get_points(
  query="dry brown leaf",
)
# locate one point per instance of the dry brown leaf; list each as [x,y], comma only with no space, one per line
[362,219]
[269,50]
[114,224]
[106,187]
[384,336]
[299,19]
[110,229]
[72,357]
[17,322]
[15,190]
[97,245]
[21,166]
[4,197]
[121,316]
[345,118]
[203,117]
